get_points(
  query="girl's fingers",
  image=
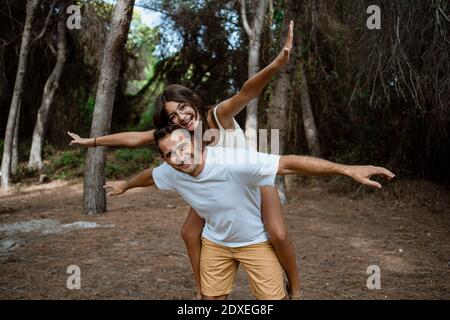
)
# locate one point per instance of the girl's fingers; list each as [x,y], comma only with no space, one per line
[287,51]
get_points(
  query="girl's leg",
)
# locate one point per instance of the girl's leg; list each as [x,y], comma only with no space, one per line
[273,221]
[191,233]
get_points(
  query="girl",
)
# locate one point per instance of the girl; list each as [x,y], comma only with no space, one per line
[179,105]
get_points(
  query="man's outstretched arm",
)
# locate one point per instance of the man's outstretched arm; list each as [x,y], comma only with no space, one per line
[143,179]
[310,166]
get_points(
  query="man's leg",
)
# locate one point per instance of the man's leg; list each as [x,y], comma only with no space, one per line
[217,270]
[263,269]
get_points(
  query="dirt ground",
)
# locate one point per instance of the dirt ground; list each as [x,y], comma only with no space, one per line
[134,251]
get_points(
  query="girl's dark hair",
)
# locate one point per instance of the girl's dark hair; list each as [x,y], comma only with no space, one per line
[177,93]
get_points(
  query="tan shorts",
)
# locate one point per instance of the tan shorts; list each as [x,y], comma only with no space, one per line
[219,264]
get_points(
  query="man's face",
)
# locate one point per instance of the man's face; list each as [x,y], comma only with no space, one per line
[178,150]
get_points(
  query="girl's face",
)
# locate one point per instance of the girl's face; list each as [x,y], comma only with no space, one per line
[182,114]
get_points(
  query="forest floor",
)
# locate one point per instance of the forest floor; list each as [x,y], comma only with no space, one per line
[135,251]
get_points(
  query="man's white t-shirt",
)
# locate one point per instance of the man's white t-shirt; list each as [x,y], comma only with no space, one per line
[225,193]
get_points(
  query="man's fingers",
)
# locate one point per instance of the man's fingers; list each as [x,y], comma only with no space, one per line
[371,183]
[112,192]
[108,185]
[385,173]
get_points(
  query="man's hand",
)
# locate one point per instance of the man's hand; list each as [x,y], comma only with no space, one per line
[115,188]
[78,141]
[283,56]
[362,174]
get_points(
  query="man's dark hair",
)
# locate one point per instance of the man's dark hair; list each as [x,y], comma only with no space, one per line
[162,132]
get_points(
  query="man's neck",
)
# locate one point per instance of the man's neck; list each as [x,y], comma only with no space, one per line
[201,166]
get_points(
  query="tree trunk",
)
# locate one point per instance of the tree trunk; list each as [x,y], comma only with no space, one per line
[254,36]
[251,119]
[50,88]
[94,196]
[15,147]
[311,134]
[17,93]
[278,115]
[295,8]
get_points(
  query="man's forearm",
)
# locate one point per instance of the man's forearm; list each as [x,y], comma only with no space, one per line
[143,179]
[309,166]
[317,167]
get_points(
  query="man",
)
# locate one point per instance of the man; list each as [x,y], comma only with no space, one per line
[223,189]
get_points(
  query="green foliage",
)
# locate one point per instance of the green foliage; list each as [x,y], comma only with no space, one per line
[23,172]
[124,162]
[66,164]
[87,111]
[146,120]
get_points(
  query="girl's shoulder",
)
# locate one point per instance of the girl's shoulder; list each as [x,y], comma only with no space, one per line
[210,118]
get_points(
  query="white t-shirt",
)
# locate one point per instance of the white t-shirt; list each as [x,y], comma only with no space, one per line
[225,193]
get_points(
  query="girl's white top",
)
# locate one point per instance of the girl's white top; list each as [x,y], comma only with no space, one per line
[230,138]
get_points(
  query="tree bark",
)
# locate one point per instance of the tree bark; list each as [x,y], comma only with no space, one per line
[254,36]
[15,146]
[278,116]
[309,123]
[295,8]
[94,196]
[17,93]
[52,84]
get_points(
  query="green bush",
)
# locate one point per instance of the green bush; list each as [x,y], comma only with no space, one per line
[66,164]
[23,172]
[124,162]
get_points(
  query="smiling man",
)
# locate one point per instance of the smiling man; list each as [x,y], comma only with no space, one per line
[223,189]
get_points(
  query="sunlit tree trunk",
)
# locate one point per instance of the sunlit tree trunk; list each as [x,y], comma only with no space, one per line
[50,88]
[309,123]
[254,35]
[17,93]
[15,146]
[94,196]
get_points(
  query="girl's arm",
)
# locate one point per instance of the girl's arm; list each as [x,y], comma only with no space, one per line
[309,166]
[253,86]
[124,139]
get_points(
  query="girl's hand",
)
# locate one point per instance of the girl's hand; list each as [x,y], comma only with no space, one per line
[115,188]
[283,57]
[78,141]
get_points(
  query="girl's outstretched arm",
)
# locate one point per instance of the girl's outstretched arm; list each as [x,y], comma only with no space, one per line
[253,86]
[130,139]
